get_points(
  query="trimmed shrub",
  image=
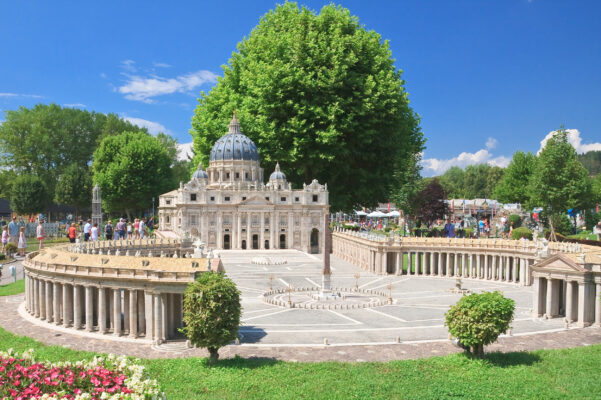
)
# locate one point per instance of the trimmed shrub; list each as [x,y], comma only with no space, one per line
[564,225]
[10,248]
[2,256]
[478,319]
[517,222]
[211,312]
[518,233]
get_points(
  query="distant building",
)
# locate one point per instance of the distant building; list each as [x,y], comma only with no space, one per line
[229,206]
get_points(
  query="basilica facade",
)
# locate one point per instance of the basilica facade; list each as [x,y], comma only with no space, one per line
[229,206]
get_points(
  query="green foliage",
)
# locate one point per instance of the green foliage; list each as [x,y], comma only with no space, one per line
[516,219]
[591,161]
[513,187]
[559,180]
[452,182]
[2,257]
[431,202]
[591,219]
[476,181]
[7,177]
[596,189]
[46,139]
[131,169]
[521,232]
[74,186]
[563,224]
[478,319]
[10,248]
[211,312]
[321,94]
[28,195]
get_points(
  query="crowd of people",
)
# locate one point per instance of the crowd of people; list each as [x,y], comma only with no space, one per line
[123,229]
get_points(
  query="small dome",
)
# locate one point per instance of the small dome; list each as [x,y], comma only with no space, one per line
[277,175]
[199,173]
[234,145]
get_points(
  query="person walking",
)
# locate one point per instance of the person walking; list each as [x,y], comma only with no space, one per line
[72,232]
[22,245]
[108,230]
[86,230]
[5,237]
[141,228]
[129,230]
[94,232]
[13,230]
[136,228]
[596,230]
[40,233]
[121,228]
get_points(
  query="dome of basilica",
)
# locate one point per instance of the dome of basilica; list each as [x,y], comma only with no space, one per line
[234,146]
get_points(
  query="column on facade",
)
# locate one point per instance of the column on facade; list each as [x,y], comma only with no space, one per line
[272,230]
[133,313]
[584,303]
[67,305]
[42,297]
[116,311]
[157,317]
[56,303]
[148,314]
[507,268]
[262,233]
[248,230]
[290,231]
[569,301]
[102,310]
[48,301]
[514,269]
[598,304]
[448,263]
[77,300]
[537,297]
[238,218]
[219,230]
[89,308]
[549,299]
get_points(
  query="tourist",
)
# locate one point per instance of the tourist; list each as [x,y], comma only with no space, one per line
[481,227]
[39,232]
[137,228]
[129,230]
[510,229]
[72,233]
[13,230]
[5,237]
[108,230]
[597,230]
[22,245]
[121,228]
[86,230]
[141,228]
[503,225]
[94,232]
[487,228]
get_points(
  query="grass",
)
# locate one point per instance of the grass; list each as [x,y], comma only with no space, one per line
[32,244]
[585,235]
[12,288]
[544,374]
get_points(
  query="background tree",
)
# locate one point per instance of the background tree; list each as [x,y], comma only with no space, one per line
[452,182]
[432,205]
[74,187]
[211,312]
[559,180]
[321,94]
[513,187]
[131,169]
[495,175]
[591,161]
[478,319]
[28,195]
[7,177]
[181,169]
[475,181]
[46,139]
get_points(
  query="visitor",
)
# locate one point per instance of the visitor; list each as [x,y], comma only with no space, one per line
[510,229]
[129,230]
[22,245]
[481,227]
[503,225]
[72,233]
[86,230]
[5,237]
[13,230]
[597,230]
[452,229]
[94,232]
[40,233]
[121,228]
[486,228]
[141,228]
[108,230]
[137,228]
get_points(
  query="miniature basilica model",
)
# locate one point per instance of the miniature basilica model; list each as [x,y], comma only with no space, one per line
[229,206]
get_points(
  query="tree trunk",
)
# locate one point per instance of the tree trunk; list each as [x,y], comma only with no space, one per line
[552,237]
[477,350]
[213,355]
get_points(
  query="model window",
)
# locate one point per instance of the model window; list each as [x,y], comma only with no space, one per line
[297,199]
[267,198]
[193,197]
[282,199]
[227,198]
[227,175]
[212,198]
[168,202]
[237,175]
[243,198]
[168,219]
[246,175]
[315,197]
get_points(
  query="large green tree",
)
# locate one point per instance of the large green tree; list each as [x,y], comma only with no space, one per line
[559,180]
[452,182]
[181,169]
[591,161]
[28,195]
[46,139]
[131,169]
[74,187]
[513,187]
[320,94]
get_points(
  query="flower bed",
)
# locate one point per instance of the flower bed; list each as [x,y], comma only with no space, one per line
[21,377]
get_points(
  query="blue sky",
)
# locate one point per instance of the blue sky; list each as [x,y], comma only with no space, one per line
[487,77]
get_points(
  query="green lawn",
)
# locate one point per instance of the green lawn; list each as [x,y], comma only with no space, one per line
[32,243]
[552,374]
[12,288]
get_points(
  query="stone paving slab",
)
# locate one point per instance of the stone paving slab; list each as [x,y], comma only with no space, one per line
[13,322]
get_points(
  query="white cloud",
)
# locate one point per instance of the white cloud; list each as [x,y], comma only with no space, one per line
[575,140]
[435,166]
[153,127]
[75,105]
[34,96]
[160,65]
[145,88]
[129,65]
[185,151]
[491,143]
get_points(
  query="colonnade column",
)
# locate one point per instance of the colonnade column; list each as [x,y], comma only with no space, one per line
[56,302]
[42,297]
[76,306]
[456,264]
[432,263]
[157,317]
[67,305]
[514,269]
[133,313]
[102,310]
[549,300]
[36,299]
[48,301]
[486,267]
[148,308]
[89,308]
[440,263]
[569,295]
[507,267]
[117,312]
[598,304]
[398,269]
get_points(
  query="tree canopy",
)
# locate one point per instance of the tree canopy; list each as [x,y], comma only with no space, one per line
[28,195]
[591,161]
[476,181]
[320,94]
[131,169]
[513,187]
[74,187]
[46,139]
[431,202]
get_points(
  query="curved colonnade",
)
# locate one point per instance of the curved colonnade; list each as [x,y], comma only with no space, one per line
[566,277]
[82,287]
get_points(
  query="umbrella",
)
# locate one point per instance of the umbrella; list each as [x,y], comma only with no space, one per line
[376,214]
[360,213]
[394,214]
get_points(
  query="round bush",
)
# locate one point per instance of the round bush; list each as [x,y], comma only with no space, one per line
[478,319]
[521,232]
